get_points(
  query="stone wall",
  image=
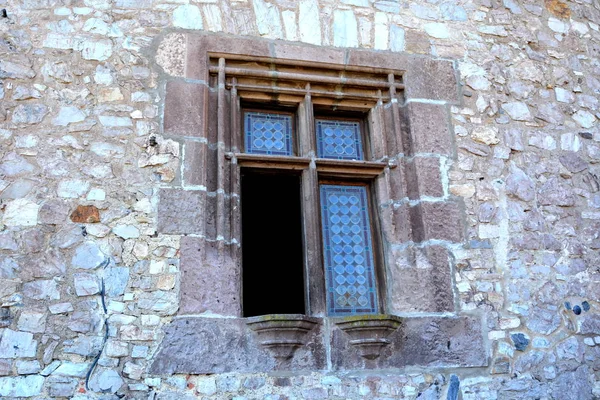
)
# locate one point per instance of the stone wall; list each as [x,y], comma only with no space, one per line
[85,270]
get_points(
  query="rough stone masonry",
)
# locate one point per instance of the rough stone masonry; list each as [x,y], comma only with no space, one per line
[89,281]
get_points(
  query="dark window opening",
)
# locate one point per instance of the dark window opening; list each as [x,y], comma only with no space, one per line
[272,250]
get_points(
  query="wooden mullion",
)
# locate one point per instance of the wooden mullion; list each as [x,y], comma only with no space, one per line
[220,217]
[313,254]
[235,183]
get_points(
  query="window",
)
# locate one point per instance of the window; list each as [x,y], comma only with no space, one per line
[406,144]
[307,187]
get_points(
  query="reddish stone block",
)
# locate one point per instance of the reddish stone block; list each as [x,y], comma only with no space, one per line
[424,177]
[378,59]
[419,341]
[85,214]
[417,42]
[197,345]
[194,161]
[395,223]
[398,181]
[210,278]
[185,109]
[429,129]
[303,52]
[431,79]
[233,44]
[421,280]
[438,220]
[181,211]
[196,58]
[217,224]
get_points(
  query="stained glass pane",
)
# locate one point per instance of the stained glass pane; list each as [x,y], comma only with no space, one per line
[268,133]
[340,140]
[347,250]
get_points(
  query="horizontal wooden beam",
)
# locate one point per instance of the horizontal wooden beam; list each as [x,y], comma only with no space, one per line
[349,168]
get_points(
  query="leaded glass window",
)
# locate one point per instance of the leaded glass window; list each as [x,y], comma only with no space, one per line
[339,139]
[347,250]
[268,133]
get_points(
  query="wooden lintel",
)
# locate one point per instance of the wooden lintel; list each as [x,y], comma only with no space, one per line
[350,169]
[272,162]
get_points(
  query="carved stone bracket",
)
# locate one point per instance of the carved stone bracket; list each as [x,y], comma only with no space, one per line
[368,333]
[282,334]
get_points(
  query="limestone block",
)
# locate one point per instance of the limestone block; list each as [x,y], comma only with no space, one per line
[21,212]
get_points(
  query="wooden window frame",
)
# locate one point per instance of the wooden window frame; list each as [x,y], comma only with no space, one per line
[244,84]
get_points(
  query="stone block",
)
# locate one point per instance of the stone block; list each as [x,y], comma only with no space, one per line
[398,181]
[15,344]
[431,79]
[288,51]
[161,302]
[421,280]
[417,42]
[54,212]
[438,221]
[429,129]
[5,367]
[395,223]
[181,211]
[424,178]
[379,59]
[194,160]
[87,346]
[21,386]
[88,256]
[31,321]
[198,45]
[185,109]
[42,265]
[61,386]
[115,280]
[210,278]
[86,284]
[41,290]
[198,345]
[85,214]
[28,367]
[420,341]
[106,380]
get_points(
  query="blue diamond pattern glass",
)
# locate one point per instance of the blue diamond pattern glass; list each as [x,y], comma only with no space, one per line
[340,140]
[347,250]
[268,133]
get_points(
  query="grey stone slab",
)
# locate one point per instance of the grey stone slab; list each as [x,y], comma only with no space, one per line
[115,281]
[21,386]
[198,345]
[15,344]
